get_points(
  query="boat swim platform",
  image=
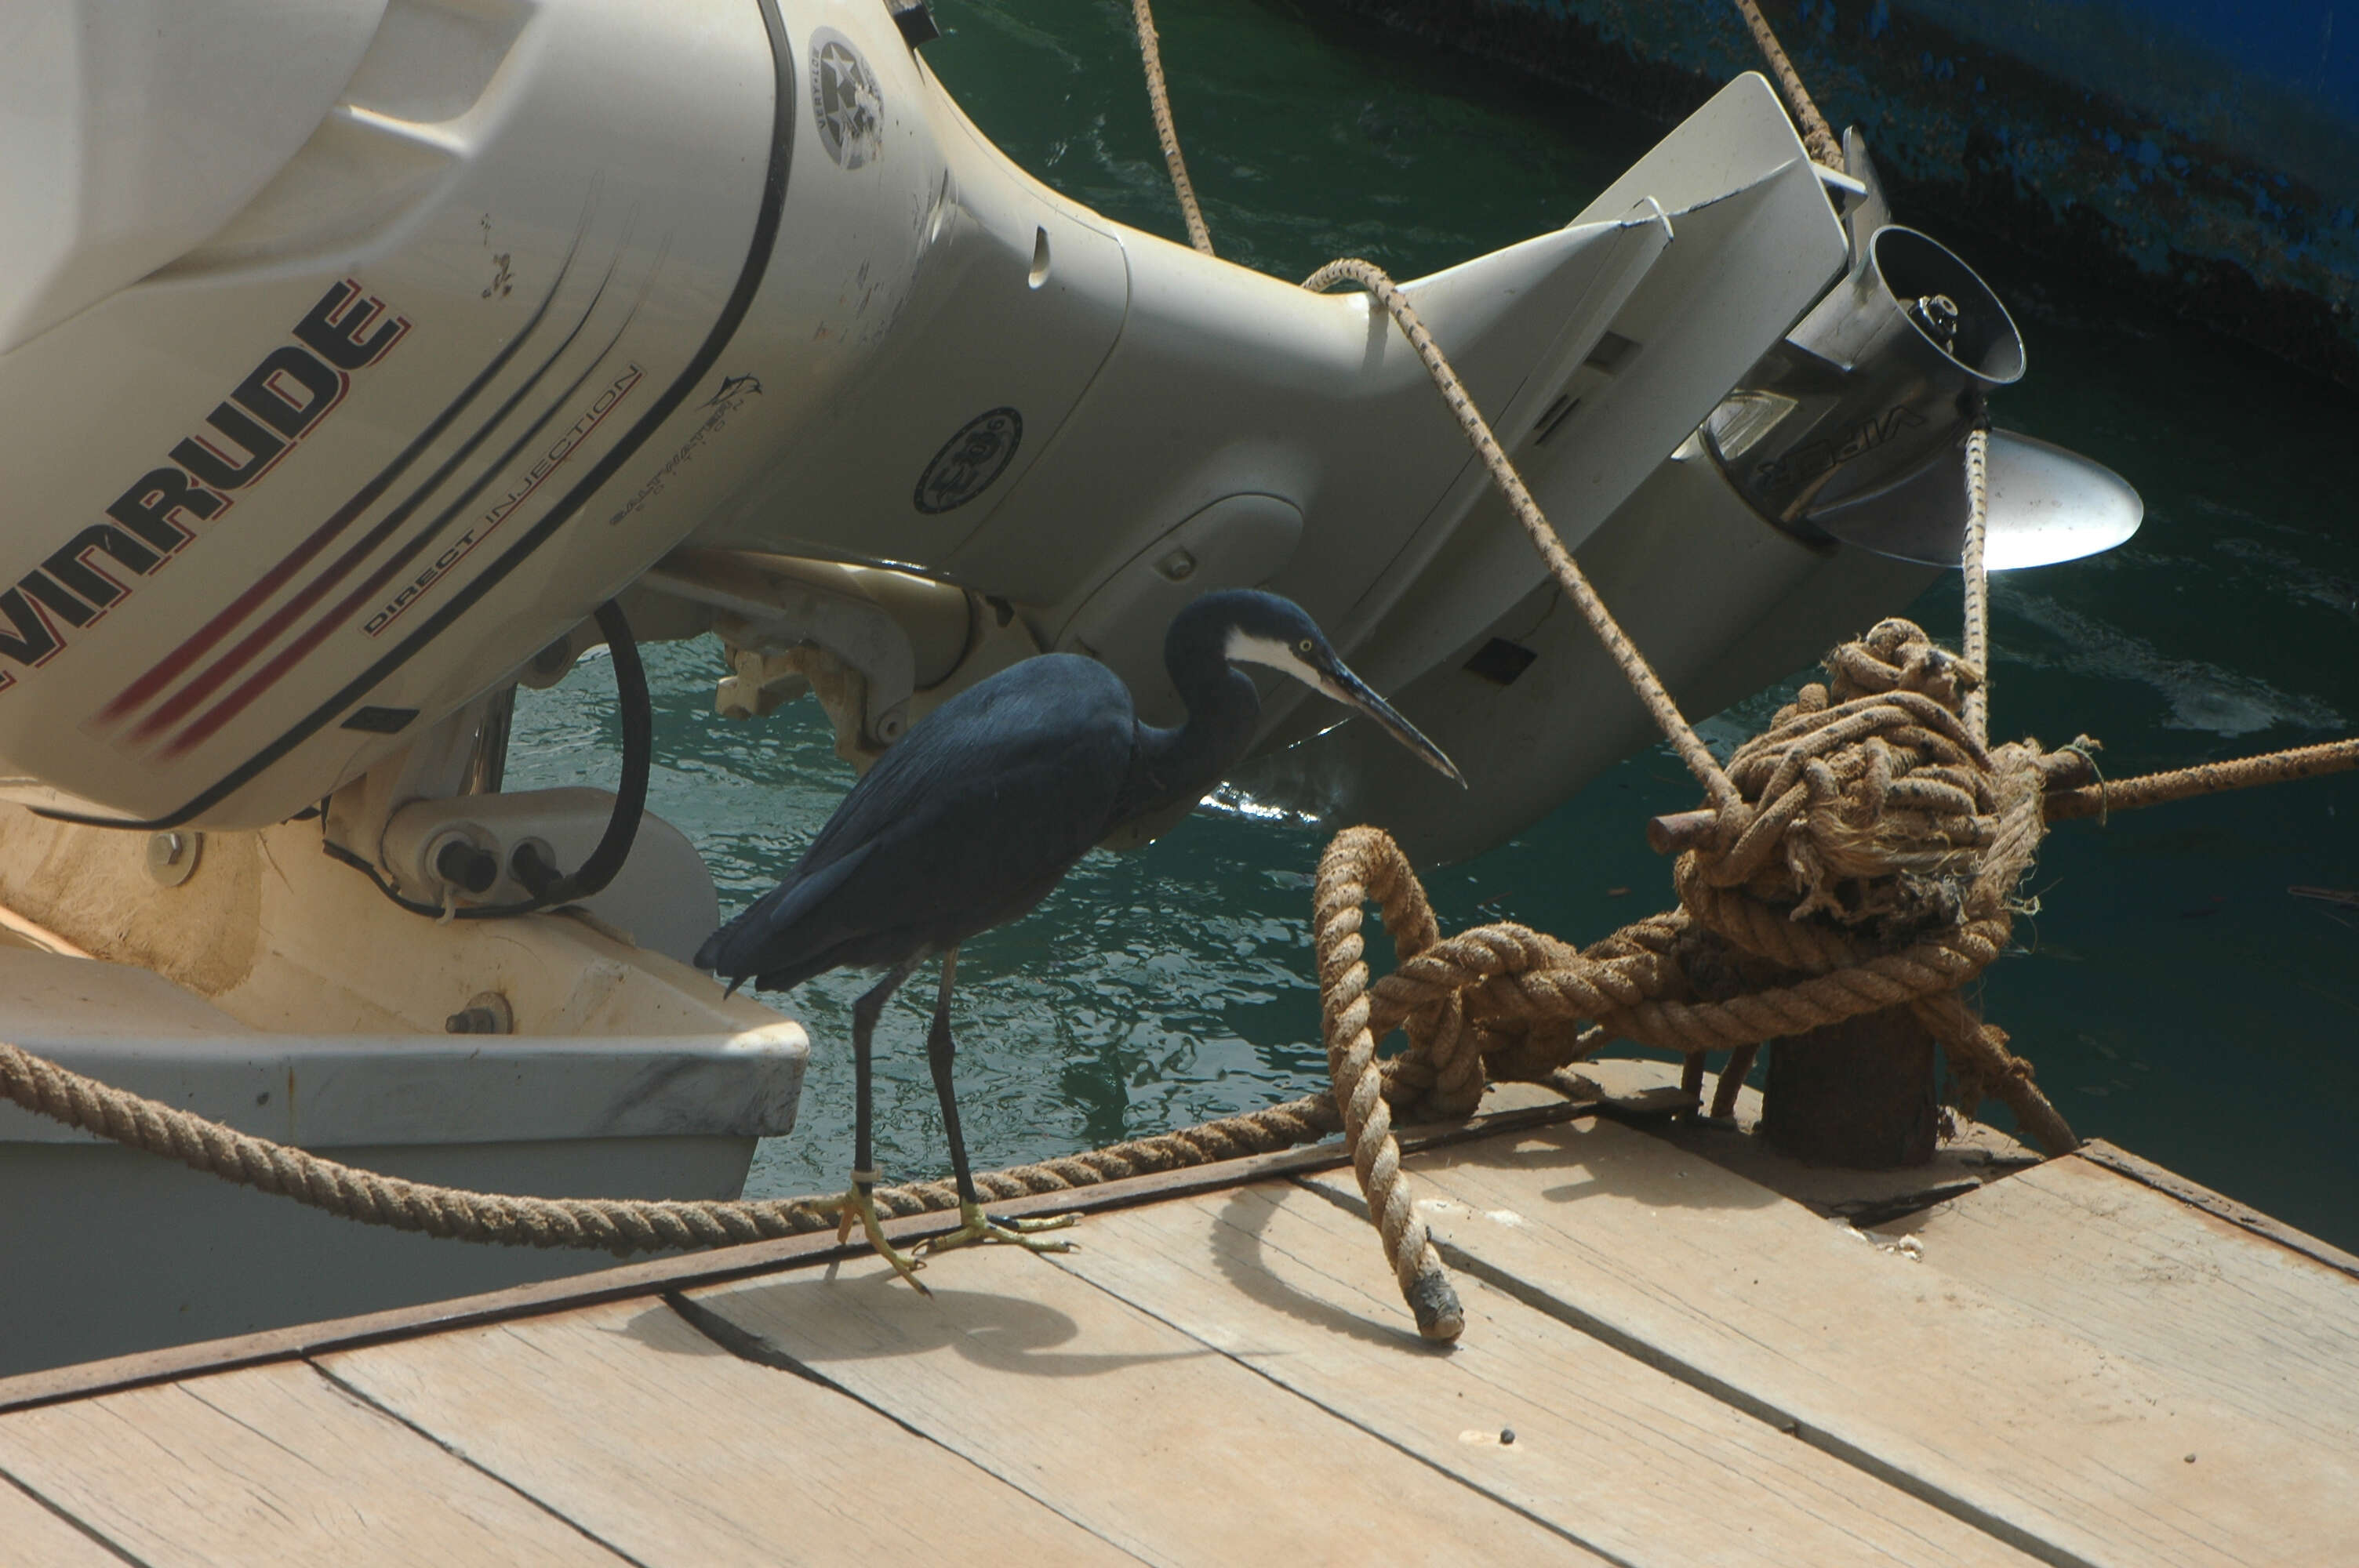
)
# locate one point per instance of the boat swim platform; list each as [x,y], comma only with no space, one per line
[1676,1354]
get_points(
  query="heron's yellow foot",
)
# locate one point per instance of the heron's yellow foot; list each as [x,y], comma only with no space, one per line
[977,1225]
[858,1205]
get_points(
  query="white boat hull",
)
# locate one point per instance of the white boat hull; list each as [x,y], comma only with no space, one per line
[297,1004]
[111,1251]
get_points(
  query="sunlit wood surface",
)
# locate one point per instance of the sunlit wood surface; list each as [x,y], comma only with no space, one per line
[1666,1362]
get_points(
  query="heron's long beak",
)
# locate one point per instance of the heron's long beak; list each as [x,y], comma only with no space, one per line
[1352,692]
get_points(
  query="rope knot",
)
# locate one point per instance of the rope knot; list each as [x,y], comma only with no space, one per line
[1868,805]
[1897,655]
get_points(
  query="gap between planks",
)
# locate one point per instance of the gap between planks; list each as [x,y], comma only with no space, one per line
[631,1420]
[41,1535]
[273,1463]
[2194,1194]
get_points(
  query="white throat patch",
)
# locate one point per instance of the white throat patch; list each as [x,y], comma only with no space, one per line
[1246,648]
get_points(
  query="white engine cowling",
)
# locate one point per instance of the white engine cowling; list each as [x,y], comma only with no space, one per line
[396,398]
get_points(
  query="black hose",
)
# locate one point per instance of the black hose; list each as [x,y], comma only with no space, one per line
[600,865]
[638,758]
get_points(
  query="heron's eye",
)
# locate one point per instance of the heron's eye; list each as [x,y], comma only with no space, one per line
[1303,646]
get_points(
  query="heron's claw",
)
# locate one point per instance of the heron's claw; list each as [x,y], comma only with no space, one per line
[1046,1222]
[857,1205]
[979,1226]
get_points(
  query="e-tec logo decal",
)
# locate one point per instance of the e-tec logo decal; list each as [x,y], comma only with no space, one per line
[268,414]
[568,441]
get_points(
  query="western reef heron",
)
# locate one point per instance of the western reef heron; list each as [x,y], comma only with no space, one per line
[981,809]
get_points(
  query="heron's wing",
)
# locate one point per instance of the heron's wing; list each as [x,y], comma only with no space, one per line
[1057,724]
[734,949]
[967,823]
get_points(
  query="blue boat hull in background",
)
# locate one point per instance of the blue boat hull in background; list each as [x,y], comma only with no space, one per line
[2201,156]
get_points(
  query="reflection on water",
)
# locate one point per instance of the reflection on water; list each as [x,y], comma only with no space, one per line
[2173,996]
[2200,695]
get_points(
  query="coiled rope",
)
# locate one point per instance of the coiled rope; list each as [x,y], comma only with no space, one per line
[1860,854]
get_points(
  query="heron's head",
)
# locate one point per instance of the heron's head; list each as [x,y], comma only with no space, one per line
[1257,628]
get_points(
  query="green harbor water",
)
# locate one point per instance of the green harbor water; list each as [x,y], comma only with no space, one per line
[2173,995]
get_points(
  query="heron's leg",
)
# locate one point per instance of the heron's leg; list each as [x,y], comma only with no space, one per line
[859,1203]
[977,1225]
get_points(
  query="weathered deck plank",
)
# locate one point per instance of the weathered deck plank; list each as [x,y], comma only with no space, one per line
[627,1420]
[2051,1442]
[1613,1452]
[2204,1304]
[33,1537]
[1227,1375]
[1123,1424]
[273,1464]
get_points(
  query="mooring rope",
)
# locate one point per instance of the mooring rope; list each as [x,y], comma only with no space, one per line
[1973,639]
[1821,141]
[2205,778]
[622,1226]
[1158,101]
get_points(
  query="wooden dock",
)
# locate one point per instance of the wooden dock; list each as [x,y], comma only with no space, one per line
[1671,1358]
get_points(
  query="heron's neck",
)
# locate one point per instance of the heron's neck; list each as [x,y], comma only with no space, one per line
[1184,763]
